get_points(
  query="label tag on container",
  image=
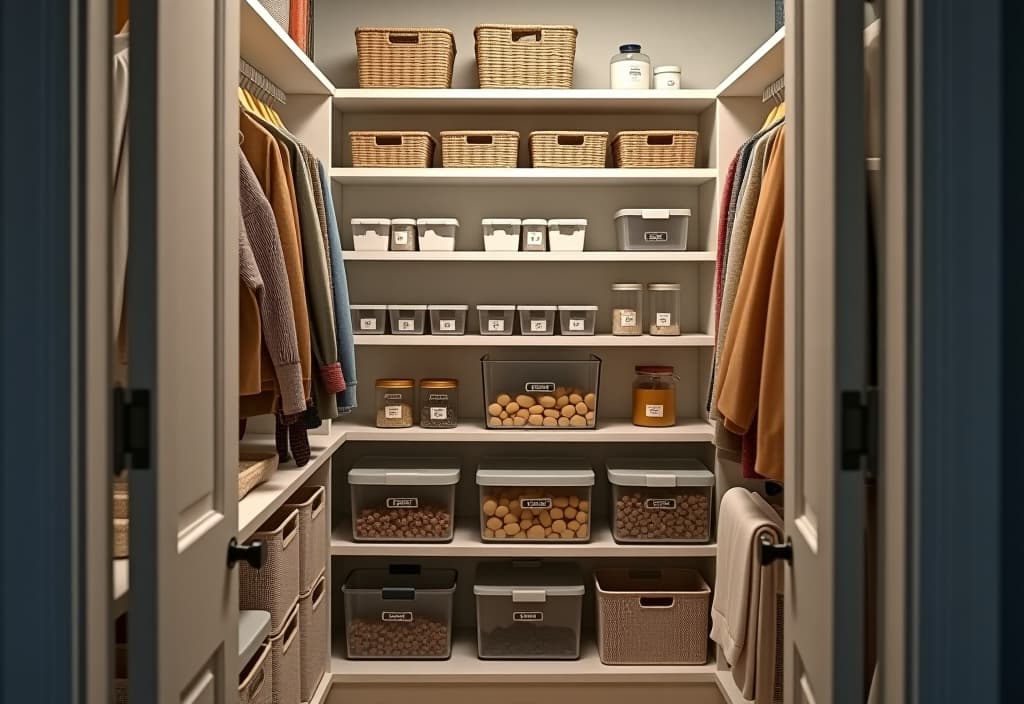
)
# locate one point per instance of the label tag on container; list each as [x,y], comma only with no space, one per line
[538,326]
[534,504]
[540,387]
[438,413]
[393,412]
[655,411]
[535,239]
[367,323]
[627,318]
[669,504]
[403,503]
[530,616]
[577,324]
[401,238]
[655,237]
[662,319]
[446,325]
[407,325]
[396,616]
[496,325]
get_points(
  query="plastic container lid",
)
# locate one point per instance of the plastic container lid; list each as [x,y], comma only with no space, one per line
[653,214]
[401,577]
[437,221]
[444,307]
[629,48]
[371,221]
[577,307]
[534,472]
[403,221]
[537,307]
[662,287]
[434,471]
[535,222]
[627,287]
[501,221]
[368,306]
[411,306]
[567,221]
[668,69]
[528,580]
[658,472]
[499,307]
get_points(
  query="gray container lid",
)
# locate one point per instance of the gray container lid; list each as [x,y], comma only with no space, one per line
[658,472]
[528,580]
[534,471]
[405,471]
[400,578]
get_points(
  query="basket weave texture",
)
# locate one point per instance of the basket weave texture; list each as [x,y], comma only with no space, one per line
[525,56]
[275,586]
[479,149]
[287,664]
[392,149]
[313,637]
[666,149]
[413,57]
[568,149]
[256,685]
[310,501]
[280,11]
[254,468]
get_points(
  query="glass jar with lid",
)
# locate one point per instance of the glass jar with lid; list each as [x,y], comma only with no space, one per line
[630,69]
[654,396]
[627,309]
[395,400]
[663,304]
[439,403]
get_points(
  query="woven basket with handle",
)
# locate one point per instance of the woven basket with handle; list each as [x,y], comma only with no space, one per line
[568,149]
[310,502]
[256,683]
[666,149]
[313,636]
[477,149]
[274,587]
[286,658]
[525,56]
[392,149]
[414,57]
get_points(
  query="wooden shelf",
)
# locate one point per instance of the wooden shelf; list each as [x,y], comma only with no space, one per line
[504,177]
[323,690]
[589,341]
[120,586]
[530,257]
[753,75]
[686,430]
[265,45]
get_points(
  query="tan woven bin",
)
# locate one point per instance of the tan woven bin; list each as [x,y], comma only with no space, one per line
[392,149]
[256,682]
[569,149]
[525,56]
[310,502]
[120,522]
[478,149]
[275,586]
[313,637]
[665,149]
[414,57]
[254,468]
[652,617]
[286,660]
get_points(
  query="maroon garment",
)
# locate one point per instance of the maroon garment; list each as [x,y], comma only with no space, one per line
[723,228]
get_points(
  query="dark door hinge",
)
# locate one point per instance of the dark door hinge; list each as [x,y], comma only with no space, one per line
[859,425]
[131,429]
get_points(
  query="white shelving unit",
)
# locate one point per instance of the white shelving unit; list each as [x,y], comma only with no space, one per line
[532,257]
[587,341]
[693,430]
[265,45]
[765,65]
[510,177]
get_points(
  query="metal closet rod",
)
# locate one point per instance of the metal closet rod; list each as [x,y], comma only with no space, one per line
[253,79]
[774,90]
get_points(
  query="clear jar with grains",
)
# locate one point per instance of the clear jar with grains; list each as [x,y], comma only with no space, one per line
[663,304]
[439,401]
[654,397]
[627,309]
[395,401]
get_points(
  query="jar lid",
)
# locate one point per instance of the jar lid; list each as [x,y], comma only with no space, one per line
[629,48]
[668,69]
[662,287]
[395,383]
[439,383]
[655,370]
[627,287]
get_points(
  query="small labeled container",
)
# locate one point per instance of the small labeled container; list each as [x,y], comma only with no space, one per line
[407,319]
[535,235]
[627,309]
[528,610]
[652,229]
[403,235]
[663,304]
[496,320]
[448,319]
[403,499]
[567,234]
[535,499]
[577,320]
[660,500]
[437,234]
[537,320]
[396,399]
[369,319]
[371,234]
[439,403]
[501,234]
[402,612]
[630,69]
[654,397]
[668,77]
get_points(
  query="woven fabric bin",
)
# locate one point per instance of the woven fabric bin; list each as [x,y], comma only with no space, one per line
[313,637]
[280,11]
[665,149]
[568,149]
[286,660]
[392,149]
[415,57]
[275,586]
[652,617]
[525,56]
[254,468]
[256,682]
[480,149]
[310,502]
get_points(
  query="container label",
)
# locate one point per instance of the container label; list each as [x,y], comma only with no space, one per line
[655,237]
[403,503]
[438,413]
[635,74]
[367,323]
[446,325]
[668,504]
[396,616]
[438,397]
[535,239]
[539,325]
[392,397]
[655,411]
[662,319]
[577,324]
[532,616]
[496,325]
[533,504]
[627,318]
[401,238]
[540,387]
[393,412]
[407,325]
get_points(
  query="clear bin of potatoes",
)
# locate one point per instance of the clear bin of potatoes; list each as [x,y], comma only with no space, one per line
[565,407]
[549,501]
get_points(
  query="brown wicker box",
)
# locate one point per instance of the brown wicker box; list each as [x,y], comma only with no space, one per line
[525,56]
[254,468]
[414,57]
[287,663]
[275,586]
[569,149]
[666,149]
[476,149]
[310,502]
[256,681]
[392,149]
[652,617]
[313,637]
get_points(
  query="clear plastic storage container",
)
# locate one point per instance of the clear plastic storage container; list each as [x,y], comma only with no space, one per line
[402,612]
[567,235]
[496,320]
[369,319]
[396,399]
[448,319]
[403,499]
[439,403]
[371,234]
[660,500]
[627,309]
[403,235]
[652,229]
[535,499]
[407,319]
[501,234]
[663,304]
[535,235]
[577,320]
[437,234]
[528,610]
[529,394]
[537,320]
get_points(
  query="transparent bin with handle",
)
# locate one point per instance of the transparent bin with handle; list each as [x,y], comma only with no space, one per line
[496,320]
[525,393]
[369,319]
[408,319]
[660,500]
[403,499]
[537,320]
[652,229]
[577,320]
[448,319]
[528,610]
[402,612]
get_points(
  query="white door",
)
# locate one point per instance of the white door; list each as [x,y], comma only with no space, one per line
[826,350]
[182,338]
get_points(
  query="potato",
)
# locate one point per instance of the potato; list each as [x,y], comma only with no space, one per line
[591,401]
[515,508]
[495,409]
[504,399]
[522,413]
[527,515]
[581,516]
[557,513]
[548,401]
[575,398]
[537,410]
[494,523]
[503,415]
[560,501]
[509,519]
[573,525]
[584,505]
[583,532]
[568,534]
[577,421]
[581,408]
[591,415]
[551,413]
[501,511]
[490,506]
[508,423]
[558,526]
[550,423]
[569,411]
[488,533]
[494,422]
[512,408]
[562,402]
[563,422]
[503,501]
[525,401]
[535,532]
[520,422]
[545,518]
[574,501]
[569,511]
[500,533]
[535,420]
[512,529]
[525,523]
[561,391]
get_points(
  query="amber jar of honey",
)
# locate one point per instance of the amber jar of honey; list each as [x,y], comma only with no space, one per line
[654,397]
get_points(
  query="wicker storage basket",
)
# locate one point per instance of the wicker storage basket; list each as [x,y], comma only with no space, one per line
[275,586]
[666,149]
[652,617]
[392,149]
[254,468]
[256,682]
[287,665]
[313,637]
[416,57]
[480,149]
[525,56]
[568,149]
[310,502]
[280,11]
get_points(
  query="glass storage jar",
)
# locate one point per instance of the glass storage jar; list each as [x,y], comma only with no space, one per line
[395,399]
[654,397]
[627,309]
[439,399]
[663,303]
[630,69]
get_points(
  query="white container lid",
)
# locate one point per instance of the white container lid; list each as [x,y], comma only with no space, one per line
[381,471]
[652,213]
[577,307]
[437,221]
[627,287]
[501,221]
[371,221]
[528,581]
[501,307]
[663,287]
[567,221]
[451,307]
[668,69]
[404,221]
[368,306]
[414,306]
[658,472]
[535,222]
[537,307]
[534,472]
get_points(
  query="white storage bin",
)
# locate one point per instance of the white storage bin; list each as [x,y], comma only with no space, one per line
[408,319]
[371,234]
[577,320]
[437,234]
[369,319]
[403,499]
[501,234]
[566,235]
[528,610]
[496,320]
[448,320]
[535,235]
[652,229]
[660,500]
[537,320]
[403,235]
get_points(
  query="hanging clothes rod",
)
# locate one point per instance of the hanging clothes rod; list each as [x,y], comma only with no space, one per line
[774,90]
[251,78]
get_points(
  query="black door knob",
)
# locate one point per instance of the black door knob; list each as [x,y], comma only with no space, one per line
[770,552]
[255,553]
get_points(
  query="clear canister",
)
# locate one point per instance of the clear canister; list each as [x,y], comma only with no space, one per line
[654,397]
[630,69]
[395,399]
[439,401]
[663,304]
[627,309]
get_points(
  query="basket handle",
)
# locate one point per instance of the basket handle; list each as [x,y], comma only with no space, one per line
[388,140]
[291,632]
[403,37]
[661,140]
[571,140]
[318,503]
[657,602]
[479,139]
[518,35]
[290,529]
[257,684]
[318,593]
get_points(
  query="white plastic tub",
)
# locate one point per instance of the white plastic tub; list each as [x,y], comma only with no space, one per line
[648,229]
[496,320]
[567,235]
[537,320]
[407,319]
[577,320]
[448,320]
[369,319]
[371,234]
[437,234]
[403,235]
[501,234]
[535,235]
